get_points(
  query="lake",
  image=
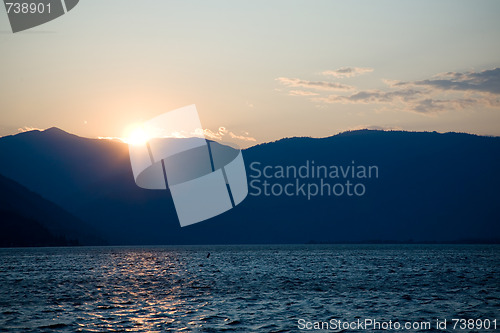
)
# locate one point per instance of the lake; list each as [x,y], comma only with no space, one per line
[260,288]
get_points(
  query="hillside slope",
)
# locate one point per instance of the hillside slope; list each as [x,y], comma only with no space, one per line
[429,187]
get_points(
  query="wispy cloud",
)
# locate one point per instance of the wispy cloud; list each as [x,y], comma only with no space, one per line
[112,138]
[435,105]
[375,128]
[487,81]
[302,93]
[317,85]
[222,132]
[374,96]
[242,137]
[442,92]
[28,129]
[217,135]
[408,100]
[345,72]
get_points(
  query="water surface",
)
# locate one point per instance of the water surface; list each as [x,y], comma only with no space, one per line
[242,288]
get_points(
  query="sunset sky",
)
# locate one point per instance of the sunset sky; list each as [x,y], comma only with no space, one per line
[262,70]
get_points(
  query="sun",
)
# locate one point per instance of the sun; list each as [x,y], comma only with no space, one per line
[136,135]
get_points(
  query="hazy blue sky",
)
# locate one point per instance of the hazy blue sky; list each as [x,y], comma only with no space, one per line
[261,69]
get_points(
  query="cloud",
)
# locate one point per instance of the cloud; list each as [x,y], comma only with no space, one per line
[318,85]
[409,100]
[213,135]
[345,72]
[487,81]
[218,135]
[28,129]
[242,137]
[436,105]
[301,93]
[222,132]
[112,138]
[374,96]
[442,92]
[375,128]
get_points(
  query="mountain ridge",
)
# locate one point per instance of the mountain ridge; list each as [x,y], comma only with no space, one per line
[27,219]
[428,181]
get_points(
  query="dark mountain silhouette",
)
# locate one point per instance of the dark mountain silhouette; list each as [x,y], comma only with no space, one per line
[27,219]
[431,187]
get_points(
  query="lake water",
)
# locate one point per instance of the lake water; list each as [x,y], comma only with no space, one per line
[244,288]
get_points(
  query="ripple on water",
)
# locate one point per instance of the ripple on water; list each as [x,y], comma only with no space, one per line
[241,288]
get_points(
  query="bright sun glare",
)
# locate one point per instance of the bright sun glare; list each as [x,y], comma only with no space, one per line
[136,135]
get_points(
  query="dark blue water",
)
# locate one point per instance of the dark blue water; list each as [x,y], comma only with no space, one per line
[243,288]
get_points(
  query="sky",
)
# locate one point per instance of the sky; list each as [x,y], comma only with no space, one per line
[257,71]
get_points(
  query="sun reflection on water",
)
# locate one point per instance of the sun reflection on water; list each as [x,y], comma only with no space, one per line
[239,288]
[148,291]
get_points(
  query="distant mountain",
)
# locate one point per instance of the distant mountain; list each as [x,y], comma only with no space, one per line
[27,219]
[92,179]
[430,187]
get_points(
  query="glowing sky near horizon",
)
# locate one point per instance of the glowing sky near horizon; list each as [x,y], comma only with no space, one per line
[257,69]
